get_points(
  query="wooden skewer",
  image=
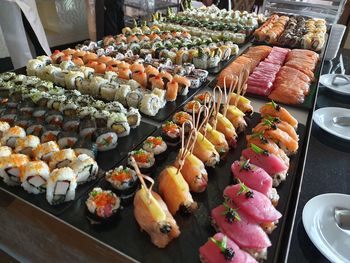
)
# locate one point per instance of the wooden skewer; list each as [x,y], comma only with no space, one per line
[217,106]
[184,149]
[228,98]
[141,177]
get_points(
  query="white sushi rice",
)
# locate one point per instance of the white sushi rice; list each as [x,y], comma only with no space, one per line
[10,136]
[85,168]
[62,158]
[26,144]
[35,176]
[57,190]
[5,151]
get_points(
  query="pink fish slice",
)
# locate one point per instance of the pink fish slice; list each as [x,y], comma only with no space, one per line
[220,249]
[253,203]
[252,176]
[238,227]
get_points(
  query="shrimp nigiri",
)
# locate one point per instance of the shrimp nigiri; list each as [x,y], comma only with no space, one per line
[224,126]
[205,151]
[236,117]
[217,139]
[243,103]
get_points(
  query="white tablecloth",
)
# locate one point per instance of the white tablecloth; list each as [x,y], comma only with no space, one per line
[14,33]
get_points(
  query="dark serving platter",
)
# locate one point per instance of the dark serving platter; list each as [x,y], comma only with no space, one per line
[125,236]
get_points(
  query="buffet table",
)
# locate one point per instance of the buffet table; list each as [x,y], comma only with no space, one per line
[31,233]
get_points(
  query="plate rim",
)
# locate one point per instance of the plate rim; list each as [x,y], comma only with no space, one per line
[325,128]
[331,87]
[330,196]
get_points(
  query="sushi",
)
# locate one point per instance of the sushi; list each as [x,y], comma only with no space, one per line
[85,168]
[87,128]
[273,109]
[205,151]
[26,145]
[5,151]
[157,146]
[118,122]
[45,151]
[102,206]
[144,160]
[272,164]
[83,146]
[133,117]
[217,139]
[175,191]
[10,168]
[50,134]
[220,249]
[71,124]
[150,104]
[106,139]
[34,176]
[62,158]
[4,126]
[171,133]
[67,139]
[10,136]
[61,186]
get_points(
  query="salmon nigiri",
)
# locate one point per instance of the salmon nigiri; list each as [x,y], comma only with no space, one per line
[256,178]
[272,164]
[141,78]
[236,225]
[175,191]
[274,110]
[220,249]
[256,205]
[275,122]
[171,90]
[268,145]
[153,216]
[193,171]
[205,151]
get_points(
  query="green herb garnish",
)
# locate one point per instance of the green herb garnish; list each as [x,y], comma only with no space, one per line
[222,245]
[230,213]
[257,149]
[245,165]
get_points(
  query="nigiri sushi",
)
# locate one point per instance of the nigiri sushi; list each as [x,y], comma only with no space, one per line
[224,126]
[172,90]
[205,151]
[217,139]
[248,235]
[274,110]
[220,249]
[175,191]
[236,117]
[243,103]
[272,164]
[256,178]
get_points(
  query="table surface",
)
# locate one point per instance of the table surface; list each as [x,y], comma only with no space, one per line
[327,170]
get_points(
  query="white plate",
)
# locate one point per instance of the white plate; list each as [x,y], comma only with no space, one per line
[327,79]
[324,119]
[320,225]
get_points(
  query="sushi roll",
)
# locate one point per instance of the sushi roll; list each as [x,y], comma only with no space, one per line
[60,78]
[61,186]
[195,81]
[121,94]
[54,117]
[36,128]
[72,78]
[145,160]
[34,176]
[26,108]
[10,136]
[106,139]
[71,124]
[118,122]
[87,128]
[201,73]
[5,151]
[123,181]
[87,147]
[181,117]
[183,83]
[101,118]
[157,146]
[67,139]
[192,106]
[45,151]
[133,117]
[115,106]
[172,90]
[134,98]
[27,144]
[95,86]
[10,168]
[50,134]
[34,66]
[102,206]
[86,112]
[108,91]
[69,108]
[9,116]
[55,101]
[4,126]
[171,133]
[85,168]
[150,104]
[40,114]
[62,158]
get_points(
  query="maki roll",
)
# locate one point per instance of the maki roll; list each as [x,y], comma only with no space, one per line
[5,151]
[72,78]
[183,83]
[192,106]
[171,133]
[10,168]
[118,122]
[87,147]
[87,128]
[155,145]
[40,113]
[181,117]
[145,160]
[85,168]
[150,104]
[134,98]
[121,93]
[27,144]
[61,186]
[69,108]
[62,158]
[134,117]
[9,116]
[54,117]
[34,176]
[201,73]
[115,106]
[71,124]
[101,118]
[123,180]
[50,134]
[86,112]
[45,151]
[36,128]
[67,139]
[102,206]
[4,126]
[26,108]
[195,81]
[10,137]
[106,139]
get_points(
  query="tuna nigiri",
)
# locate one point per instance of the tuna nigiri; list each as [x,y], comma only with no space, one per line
[272,164]
[220,249]
[237,226]
[274,110]
[175,191]
[256,205]
[256,178]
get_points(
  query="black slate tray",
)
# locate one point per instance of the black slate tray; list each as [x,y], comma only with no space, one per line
[125,235]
